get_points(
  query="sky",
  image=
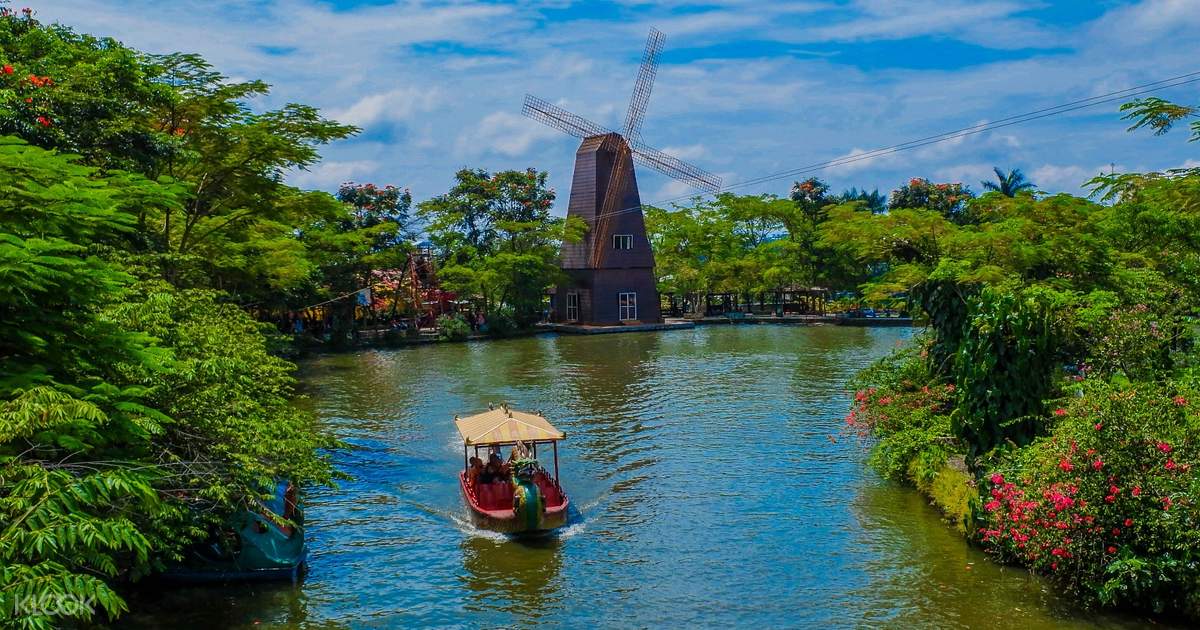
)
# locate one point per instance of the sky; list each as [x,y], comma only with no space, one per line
[744,89]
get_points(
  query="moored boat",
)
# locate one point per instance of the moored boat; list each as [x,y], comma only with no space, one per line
[264,543]
[523,498]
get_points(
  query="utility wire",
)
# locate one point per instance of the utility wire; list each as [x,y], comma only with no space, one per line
[1145,88]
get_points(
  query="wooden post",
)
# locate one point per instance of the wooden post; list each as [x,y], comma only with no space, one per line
[555,461]
[466,460]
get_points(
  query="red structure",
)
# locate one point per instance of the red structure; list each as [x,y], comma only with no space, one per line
[612,270]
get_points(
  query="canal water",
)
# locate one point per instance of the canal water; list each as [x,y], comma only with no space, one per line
[713,483]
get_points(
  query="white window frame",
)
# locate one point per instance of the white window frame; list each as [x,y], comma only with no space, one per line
[627,305]
[623,241]
[572,307]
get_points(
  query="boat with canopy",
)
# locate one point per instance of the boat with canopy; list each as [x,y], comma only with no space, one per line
[518,496]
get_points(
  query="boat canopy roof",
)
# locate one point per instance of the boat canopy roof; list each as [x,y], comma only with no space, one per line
[506,426]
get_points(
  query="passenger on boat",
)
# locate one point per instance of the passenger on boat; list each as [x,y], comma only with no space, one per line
[491,474]
[502,469]
[474,470]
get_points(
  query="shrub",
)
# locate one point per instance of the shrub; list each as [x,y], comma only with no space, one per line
[1106,505]
[1003,371]
[904,409]
[453,328]
[501,323]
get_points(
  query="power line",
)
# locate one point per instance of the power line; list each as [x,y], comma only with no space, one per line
[1145,88]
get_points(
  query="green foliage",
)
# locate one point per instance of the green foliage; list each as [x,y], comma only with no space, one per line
[1003,371]
[132,418]
[749,243]
[453,328]
[501,323]
[497,240]
[1037,299]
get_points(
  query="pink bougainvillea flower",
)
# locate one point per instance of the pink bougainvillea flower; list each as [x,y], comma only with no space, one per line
[8,69]
[1167,503]
[1137,491]
[992,505]
[1170,465]
[1097,465]
[1065,464]
[1060,412]
[1164,447]
[1112,549]
[1099,425]
[997,478]
[1180,401]
[1128,522]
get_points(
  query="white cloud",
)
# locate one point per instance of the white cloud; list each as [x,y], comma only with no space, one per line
[1068,178]
[686,152]
[394,105]
[504,133]
[330,174]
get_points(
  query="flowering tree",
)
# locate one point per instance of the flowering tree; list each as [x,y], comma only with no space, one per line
[375,206]
[949,200]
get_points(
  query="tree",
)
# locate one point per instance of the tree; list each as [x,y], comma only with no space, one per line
[497,240]
[1008,185]
[873,201]
[949,200]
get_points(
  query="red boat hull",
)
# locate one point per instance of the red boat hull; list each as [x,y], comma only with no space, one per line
[491,506]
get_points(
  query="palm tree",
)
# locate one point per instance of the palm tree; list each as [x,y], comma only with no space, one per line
[1009,185]
[875,202]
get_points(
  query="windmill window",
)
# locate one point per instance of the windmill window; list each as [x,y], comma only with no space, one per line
[627,306]
[622,241]
[572,307]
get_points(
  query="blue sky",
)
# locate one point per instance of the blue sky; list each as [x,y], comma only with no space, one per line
[745,88]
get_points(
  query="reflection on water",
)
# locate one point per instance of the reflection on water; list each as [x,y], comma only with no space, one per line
[524,584]
[706,486]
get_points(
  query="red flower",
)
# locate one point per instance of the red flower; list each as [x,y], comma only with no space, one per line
[1097,465]
[1099,425]
[1137,491]
[1164,447]
[992,505]
[1060,412]
[1065,464]
[1167,503]
[43,121]
[1170,465]
[8,69]
[997,478]
[1109,499]
[1180,401]
[1112,549]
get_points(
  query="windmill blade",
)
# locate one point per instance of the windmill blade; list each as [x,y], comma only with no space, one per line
[554,116]
[676,168]
[644,85]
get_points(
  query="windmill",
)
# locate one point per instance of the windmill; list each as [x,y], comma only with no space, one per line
[611,270]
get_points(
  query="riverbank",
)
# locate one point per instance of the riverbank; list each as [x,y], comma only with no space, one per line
[396,338]
[1102,503]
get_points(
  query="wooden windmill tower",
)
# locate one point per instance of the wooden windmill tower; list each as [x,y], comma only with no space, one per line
[611,270]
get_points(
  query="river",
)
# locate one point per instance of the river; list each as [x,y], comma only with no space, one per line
[713,481]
